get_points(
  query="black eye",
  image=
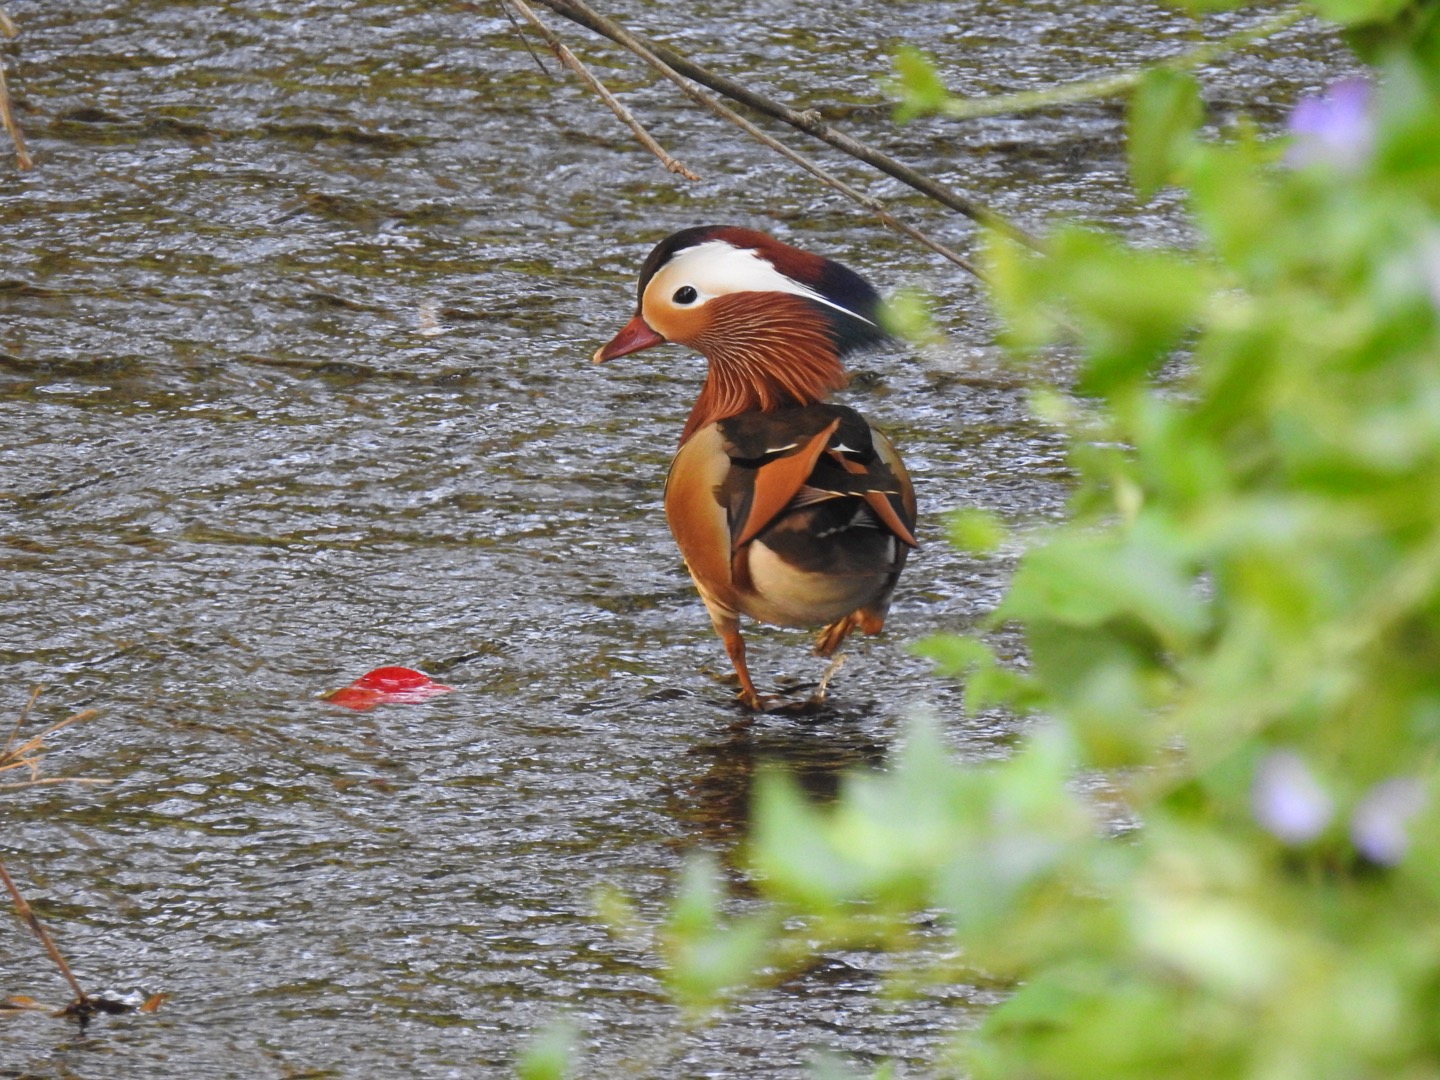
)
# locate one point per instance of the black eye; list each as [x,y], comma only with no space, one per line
[686,294]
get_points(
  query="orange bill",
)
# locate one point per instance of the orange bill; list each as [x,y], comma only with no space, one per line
[634,336]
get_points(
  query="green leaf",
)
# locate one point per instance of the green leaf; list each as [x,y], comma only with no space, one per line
[550,1055]
[1351,12]
[709,956]
[954,654]
[975,531]
[1018,280]
[1245,222]
[707,968]
[918,85]
[791,848]
[696,909]
[1165,111]
[906,314]
[1133,306]
[1087,580]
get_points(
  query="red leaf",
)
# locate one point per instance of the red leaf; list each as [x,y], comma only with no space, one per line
[386,684]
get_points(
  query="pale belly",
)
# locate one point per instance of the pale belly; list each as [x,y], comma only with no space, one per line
[785,596]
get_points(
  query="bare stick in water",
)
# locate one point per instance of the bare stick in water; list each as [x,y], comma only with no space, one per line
[44,935]
[7,115]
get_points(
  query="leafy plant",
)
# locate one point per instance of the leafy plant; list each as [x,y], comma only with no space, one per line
[1239,627]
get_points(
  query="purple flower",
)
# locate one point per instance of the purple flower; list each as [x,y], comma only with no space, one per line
[1379,825]
[1335,129]
[1287,800]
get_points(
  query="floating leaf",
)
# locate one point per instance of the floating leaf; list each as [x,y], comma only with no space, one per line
[384,686]
[21,1003]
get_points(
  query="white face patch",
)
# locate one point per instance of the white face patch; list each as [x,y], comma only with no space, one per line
[716,268]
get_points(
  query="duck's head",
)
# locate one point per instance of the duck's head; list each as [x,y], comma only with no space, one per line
[742,295]
[774,321]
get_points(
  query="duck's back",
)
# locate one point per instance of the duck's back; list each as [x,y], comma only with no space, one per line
[795,516]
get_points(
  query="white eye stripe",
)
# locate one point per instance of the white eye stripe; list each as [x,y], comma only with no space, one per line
[718,267]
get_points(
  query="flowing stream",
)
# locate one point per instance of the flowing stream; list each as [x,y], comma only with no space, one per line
[296,313]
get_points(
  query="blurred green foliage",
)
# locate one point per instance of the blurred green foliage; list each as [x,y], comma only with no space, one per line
[1236,635]
[550,1053]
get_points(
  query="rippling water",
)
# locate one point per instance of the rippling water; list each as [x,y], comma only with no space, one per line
[295,318]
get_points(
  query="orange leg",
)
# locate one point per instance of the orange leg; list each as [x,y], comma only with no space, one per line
[729,631]
[834,635]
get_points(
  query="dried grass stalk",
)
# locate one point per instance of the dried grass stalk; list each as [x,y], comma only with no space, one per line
[27,754]
[7,115]
[28,914]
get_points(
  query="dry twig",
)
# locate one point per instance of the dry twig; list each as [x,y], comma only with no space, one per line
[28,754]
[807,121]
[16,754]
[566,57]
[85,1006]
[520,33]
[1106,86]
[38,927]
[640,49]
[7,116]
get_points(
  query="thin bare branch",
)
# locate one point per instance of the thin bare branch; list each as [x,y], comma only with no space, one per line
[23,160]
[1106,86]
[629,41]
[20,720]
[807,121]
[519,32]
[566,57]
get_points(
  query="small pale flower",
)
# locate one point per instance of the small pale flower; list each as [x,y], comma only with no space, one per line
[1288,801]
[1336,128]
[1379,826]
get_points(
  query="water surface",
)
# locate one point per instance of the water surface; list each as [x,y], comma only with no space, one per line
[295,318]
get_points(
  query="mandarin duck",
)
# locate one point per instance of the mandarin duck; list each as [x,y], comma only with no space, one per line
[787,509]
